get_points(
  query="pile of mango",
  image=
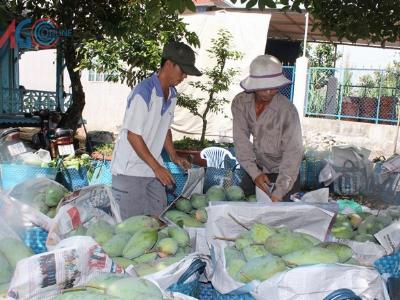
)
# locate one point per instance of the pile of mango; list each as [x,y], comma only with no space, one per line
[11,251]
[360,227]
[191,212]
[114,287]
[45,201]
[139,241]
[73,161]
[263,250]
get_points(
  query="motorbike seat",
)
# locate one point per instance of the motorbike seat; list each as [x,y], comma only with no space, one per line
[63,132]
[8,131]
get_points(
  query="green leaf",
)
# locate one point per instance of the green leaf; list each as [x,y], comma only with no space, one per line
[270,3]
[261,4]
[190,5]
[174,5]
[251,3]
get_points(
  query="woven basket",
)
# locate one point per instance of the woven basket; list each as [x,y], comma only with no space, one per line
[13,174]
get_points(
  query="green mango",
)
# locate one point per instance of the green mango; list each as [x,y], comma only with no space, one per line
[140,243]
[343,251]
[131,288]
[261,268]
[54,195]
[310,256]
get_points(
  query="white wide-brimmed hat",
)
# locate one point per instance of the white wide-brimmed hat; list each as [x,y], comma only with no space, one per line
[265,73]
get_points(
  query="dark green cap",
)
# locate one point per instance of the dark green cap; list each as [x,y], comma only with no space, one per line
[183,56]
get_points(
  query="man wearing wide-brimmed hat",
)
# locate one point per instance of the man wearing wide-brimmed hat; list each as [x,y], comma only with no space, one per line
[272,159]
[139,176]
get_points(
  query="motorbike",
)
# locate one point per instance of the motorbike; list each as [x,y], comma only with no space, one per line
[59,141]
[11,145]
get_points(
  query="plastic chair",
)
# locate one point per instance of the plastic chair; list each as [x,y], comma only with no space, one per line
[215,156]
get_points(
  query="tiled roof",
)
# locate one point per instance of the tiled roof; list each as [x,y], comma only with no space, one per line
[216,3]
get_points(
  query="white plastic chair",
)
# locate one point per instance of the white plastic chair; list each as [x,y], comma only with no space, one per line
[215,156]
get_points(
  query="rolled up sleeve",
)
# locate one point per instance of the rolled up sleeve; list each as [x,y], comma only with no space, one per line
[292,145]
[241,138]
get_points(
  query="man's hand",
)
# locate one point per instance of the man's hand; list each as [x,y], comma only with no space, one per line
[275,198]
[183,163]
[164,176]
[263,183]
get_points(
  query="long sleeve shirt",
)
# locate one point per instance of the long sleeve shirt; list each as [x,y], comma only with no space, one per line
[277,145]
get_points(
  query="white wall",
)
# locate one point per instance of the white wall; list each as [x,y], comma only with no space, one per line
[380,139]
[105,102]
[37,71]
[249,31]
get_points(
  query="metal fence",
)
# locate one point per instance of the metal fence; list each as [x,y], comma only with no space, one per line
[289,72]
[364,95]
[14,101]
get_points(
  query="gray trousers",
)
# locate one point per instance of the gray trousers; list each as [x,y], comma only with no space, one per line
[138,195]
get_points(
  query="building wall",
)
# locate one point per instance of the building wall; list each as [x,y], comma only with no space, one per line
[322,133]
[105,102]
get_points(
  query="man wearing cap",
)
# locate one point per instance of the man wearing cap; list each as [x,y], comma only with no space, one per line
[139,176]
[272,159]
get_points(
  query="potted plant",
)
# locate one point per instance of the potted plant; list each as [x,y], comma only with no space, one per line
[216,80]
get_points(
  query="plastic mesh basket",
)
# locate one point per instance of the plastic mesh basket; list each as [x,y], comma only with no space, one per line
[102,172]
[180,179]
[208,292]
[35,238]
[190,287]
[74,179]
[13,174]
[389,264]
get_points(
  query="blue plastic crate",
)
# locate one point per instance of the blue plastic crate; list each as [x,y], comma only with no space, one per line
[35,238]
[309,173]
[13,174]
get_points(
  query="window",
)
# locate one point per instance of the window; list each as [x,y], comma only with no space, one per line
[96,76]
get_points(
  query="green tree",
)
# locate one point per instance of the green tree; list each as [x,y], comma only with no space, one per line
[131,57]
[323,55]
[384,83]
[218,79]
[122,37]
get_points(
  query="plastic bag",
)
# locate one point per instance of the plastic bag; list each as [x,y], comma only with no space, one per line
[305,218]
[6,232]
[72,263]
[224,177]
[355,171]
[42,194]
[83,207]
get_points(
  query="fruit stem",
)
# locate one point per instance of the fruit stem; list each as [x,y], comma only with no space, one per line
[75,289]
[238,222]
[224,238]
